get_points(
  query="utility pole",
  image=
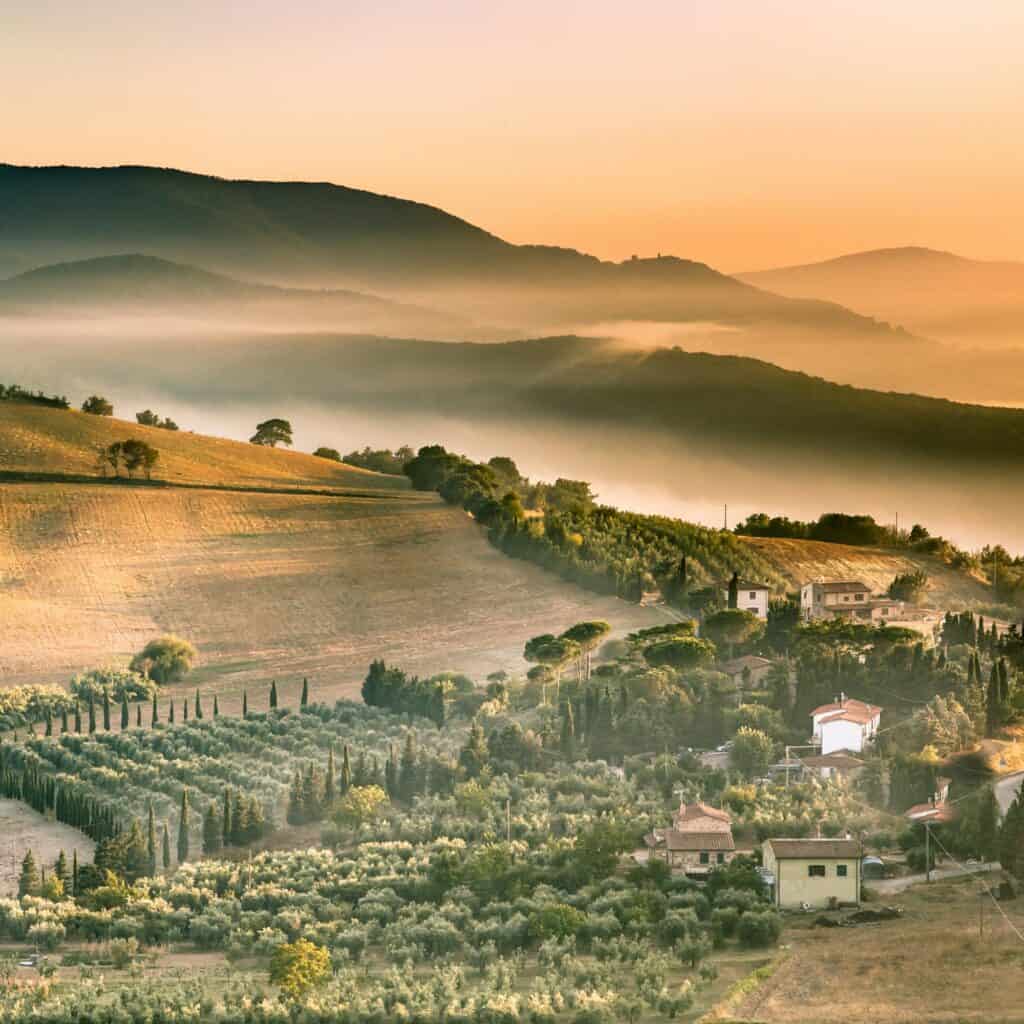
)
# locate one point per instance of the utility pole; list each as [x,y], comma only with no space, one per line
[927,852]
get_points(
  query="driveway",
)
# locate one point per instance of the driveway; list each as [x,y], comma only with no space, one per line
[887,886]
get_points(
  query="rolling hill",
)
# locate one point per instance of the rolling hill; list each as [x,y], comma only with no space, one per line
[321,570]
[330,236]
[135,285]
[938,294]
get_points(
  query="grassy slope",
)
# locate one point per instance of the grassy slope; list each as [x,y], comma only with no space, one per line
[37,439]
[803,560]
[265,584]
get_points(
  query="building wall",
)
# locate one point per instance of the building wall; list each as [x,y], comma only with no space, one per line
[794,886]
[841,735]
[758,604]
[689,860]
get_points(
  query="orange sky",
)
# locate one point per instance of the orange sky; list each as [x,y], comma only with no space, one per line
[744,134]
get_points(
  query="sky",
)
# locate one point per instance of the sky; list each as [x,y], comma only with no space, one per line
[743,134]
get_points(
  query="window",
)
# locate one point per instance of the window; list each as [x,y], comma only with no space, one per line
[720,858]
[753,595]
[815,870]
[754,609]
[859,597]
[840,870]
[705,857]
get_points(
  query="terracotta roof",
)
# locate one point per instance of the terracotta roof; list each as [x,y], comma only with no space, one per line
[849,702]
[746,585]
[930,812]
[675,840]
[710,818]
[859,715]
[827,849]
[841,586]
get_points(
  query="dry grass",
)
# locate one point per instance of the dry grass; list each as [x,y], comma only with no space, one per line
[24,829]
[930,966]
[267,585]
[40,440]
[803,560]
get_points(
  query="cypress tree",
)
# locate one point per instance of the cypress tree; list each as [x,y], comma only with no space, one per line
[166,848]
[183,828]
[170,713]
[151,842]
[330,789]
[64,719]
[61,870]
[124,711]
[199,706]
[239,819]
[213,835]
[74,872]
[138,716]
[216,707]
[407,772]
[156,713]
[92,715]
[273,694]
[184,710]
[226,820]
[568,739]
[391,774]
[78,717]
[346,771]
[294,813]
[29,881]
[992,707]
[304,699]
[245,704]
[49,723]
[106,710]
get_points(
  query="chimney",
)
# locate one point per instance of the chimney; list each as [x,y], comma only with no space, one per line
[842,699]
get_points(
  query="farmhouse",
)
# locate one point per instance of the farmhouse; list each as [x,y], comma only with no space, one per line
[840,765]
[748,671]
[751,597]
[699,839]
[845,725]
[846,599]
[813,872]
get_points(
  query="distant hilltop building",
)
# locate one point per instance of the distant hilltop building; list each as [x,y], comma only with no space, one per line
[845,599]
[846,724]
[750,597]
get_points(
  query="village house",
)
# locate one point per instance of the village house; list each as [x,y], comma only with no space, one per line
[747,672]
[699,840]
[839,766]
[750,597]
[845,725]
[937,810]
[850,599]
[819,873]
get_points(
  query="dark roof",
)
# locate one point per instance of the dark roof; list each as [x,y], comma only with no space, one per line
[746,585]
[838,759]
[752,661]
[841,586]
[787,849]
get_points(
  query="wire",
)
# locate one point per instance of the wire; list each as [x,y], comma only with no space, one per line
[981,881]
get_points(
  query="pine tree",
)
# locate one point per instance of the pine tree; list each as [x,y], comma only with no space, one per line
[245,704]
[151,842]
[330,789]
[346,782]
[199,706]
[166,848]
[213,829]
[273,694]
[92,715]
[106,710]
[29,881]
[304,699]
[124,712]
[183,828]
[216,707]
[156,713]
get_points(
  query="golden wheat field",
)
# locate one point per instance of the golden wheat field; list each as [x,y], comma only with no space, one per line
[267,585]
[36,439]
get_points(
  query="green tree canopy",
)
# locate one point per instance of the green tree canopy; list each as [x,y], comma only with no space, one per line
[273,432]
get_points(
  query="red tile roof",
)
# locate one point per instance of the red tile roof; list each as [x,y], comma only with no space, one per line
[827,849]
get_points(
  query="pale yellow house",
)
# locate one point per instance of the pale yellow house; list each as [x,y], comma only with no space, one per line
[699,840]
[818,873]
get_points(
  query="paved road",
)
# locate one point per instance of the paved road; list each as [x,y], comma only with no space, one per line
[1006,790]
[887,886]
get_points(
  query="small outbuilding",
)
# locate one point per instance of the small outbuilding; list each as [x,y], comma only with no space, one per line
[818,873]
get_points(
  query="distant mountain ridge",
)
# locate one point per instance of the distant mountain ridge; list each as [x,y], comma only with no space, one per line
[937,293]
[328,235]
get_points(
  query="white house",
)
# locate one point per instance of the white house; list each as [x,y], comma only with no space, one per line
[845,724]
[751,597]
[846,599]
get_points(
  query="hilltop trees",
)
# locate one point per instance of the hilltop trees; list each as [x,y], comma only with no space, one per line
[148,418]
[133,454]
[732,627]
[167,659]
[328,453]
[271,433]
[96,405]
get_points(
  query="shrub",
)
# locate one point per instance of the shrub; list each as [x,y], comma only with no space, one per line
[759,928]
[167,659]
[117,682]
